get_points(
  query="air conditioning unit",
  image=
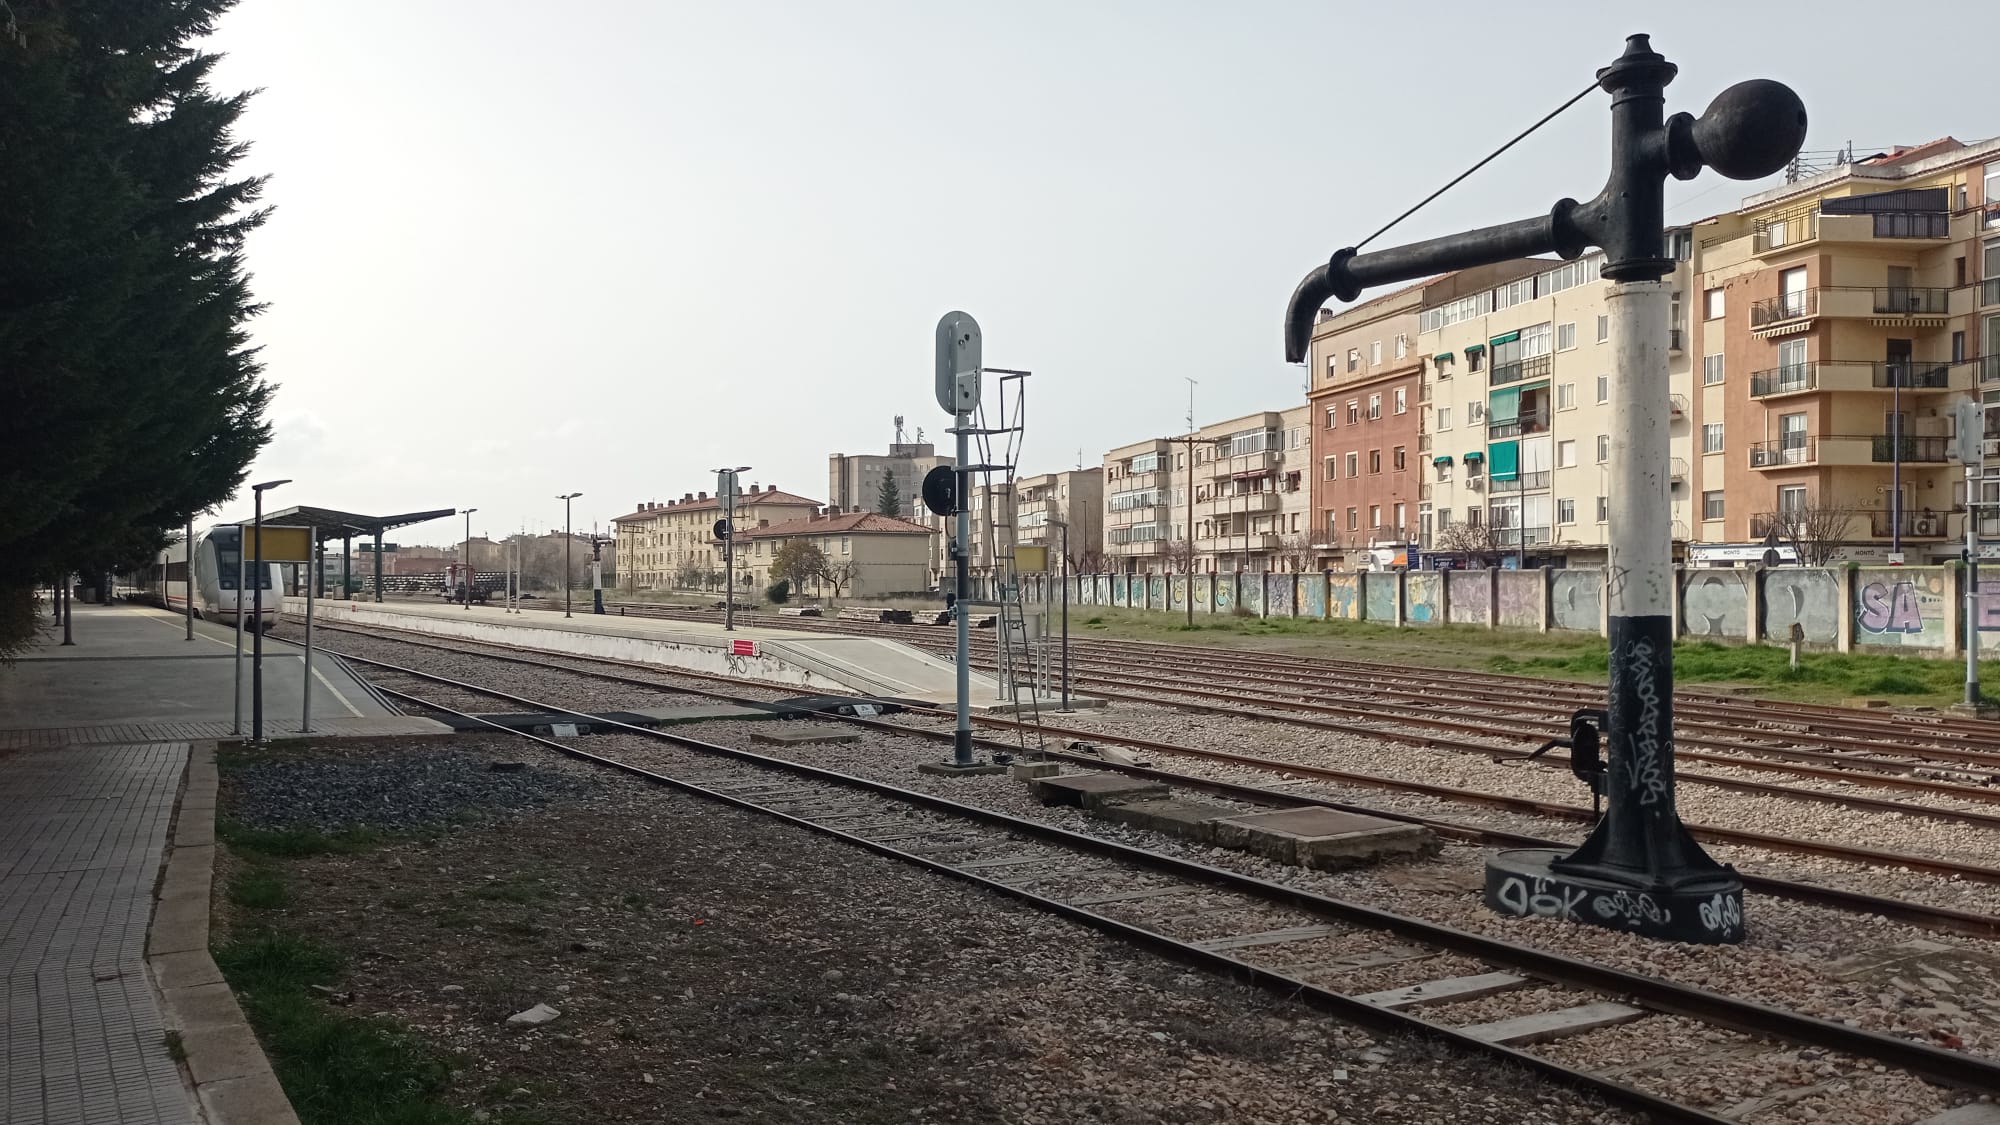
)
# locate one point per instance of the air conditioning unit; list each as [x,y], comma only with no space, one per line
[1927,525]
[1476,484]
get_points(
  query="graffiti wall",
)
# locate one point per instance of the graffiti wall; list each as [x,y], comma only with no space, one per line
[1312,595]
[1177,592]
[1343,596]
[1103,589]
[1904,606]
[1716,603]
[1423,597]
[1521,598]
[1204,591]
[1223,596]
[1280,595]
[1250,593]
[1809,597]
[1378,591]
[1577,601]
[1471,596]
[1156,592]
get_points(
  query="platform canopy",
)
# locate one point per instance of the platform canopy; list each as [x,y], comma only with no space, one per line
[332,524]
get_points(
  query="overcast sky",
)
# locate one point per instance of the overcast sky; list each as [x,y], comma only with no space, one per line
[525,249]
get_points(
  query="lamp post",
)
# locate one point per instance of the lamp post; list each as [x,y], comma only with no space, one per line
[1639,870]
[257,577]
[465,558]
[566,498]
[725,484]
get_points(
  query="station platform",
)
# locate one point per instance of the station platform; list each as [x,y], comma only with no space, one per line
[815,661]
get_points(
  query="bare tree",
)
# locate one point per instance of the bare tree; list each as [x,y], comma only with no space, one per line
[1815,531]
[835,574]
[1474,540]
[1294,553]
[1087,560]
[1180,556]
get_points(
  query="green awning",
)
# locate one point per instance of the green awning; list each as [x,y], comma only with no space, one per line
[1470,348]
[1503,405]
[1442,356]
[1441,459]
[1475,455]
[1506,463]
[1507,339]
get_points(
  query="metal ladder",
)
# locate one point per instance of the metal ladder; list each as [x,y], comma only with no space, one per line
[1021,678]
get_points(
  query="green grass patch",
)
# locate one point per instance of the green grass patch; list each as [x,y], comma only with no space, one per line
[293,843]
[176,1049]
[337,1069]
[1820,675]
[258,888]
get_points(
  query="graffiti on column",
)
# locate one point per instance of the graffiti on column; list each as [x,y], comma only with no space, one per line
[1902,607]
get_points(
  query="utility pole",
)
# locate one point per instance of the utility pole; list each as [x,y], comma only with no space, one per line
[567,540]
[1971,419]
[1188,594]
[596,571]
[465,558]
[725,529]
[257,576]
[1639,852]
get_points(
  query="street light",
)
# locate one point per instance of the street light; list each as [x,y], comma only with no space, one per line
[465,558]
[725,480]
[566,498]
[257,607]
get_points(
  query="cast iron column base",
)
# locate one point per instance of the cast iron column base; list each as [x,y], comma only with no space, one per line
[1706,909]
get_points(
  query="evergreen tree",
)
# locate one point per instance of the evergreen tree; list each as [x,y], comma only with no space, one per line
[132,398]
[889,498]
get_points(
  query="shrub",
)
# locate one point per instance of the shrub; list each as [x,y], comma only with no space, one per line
[779,592]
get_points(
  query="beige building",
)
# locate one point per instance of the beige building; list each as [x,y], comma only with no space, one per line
[1840,317]
[854,480]
[1145,507]
[1074,497]
[662,545]
[872,555]
[1515,445]
[1251,500]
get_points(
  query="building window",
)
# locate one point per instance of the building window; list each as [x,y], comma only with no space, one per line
[1402,514]
[1566,396]
[1354,359]
[1535,339]
[1603,508]
[1332,469]
[1353,463]
[1443,471]
[1603,448]
[1375,516]
[1375,354]
[1400,460]
[1375,406]
[1711,437]
[1711,304]
[1444,518]
[1353,411]
[1402,346]
[1566,454]
[1475,413]
[1374,461]
[1711,369]
[1565,336]
[1604,388]
[1792,498]
[1332,417]
[1402,399]
[1603,329]
[1711,505]
[1474,358]
[1566,510]
[1332,367]
[1444,418]
[1353,519]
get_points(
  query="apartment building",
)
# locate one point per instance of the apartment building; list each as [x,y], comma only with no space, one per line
[1839,318]
[854,480]
[1517,413]
[1145,507]
[1072,497]
[1364,405]
[666,544]
[872,555]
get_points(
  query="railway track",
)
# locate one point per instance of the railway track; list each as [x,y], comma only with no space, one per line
[1407,974]
[1923,914]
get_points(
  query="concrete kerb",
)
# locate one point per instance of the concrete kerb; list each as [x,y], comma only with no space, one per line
[232,1080]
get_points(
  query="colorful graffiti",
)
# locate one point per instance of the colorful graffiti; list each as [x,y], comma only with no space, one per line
[1422,594]
[1471,596]
[1280,595]
[1250,593]
[1379,596]
[1177,592]
[1903,606]
[1204,593]
[1343,596]
[1223,597]
[1312,595]
[1521,598]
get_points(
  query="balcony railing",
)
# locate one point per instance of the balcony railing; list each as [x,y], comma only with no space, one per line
[1521,536]
[1913,301]
[1882,524]
[1679,469]
[1801,450]
[1789,379]
[1786,230]
[1524,482]
[1533,422]
[1913,376]
[1909,448]
[1796,305]
[1762,523]
[1676,340]
[1912,224]
[1533,367]
[1678,405]
[1839,375]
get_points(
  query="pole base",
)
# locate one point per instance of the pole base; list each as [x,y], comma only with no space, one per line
[955,769]
[1706,910]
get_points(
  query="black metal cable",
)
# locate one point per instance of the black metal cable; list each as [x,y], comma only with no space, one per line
[1476,167]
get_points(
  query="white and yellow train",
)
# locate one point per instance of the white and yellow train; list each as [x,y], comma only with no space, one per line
[216,597]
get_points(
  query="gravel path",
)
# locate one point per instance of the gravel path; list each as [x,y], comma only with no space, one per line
[708,964]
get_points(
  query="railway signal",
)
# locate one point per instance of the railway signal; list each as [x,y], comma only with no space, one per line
[1640,870]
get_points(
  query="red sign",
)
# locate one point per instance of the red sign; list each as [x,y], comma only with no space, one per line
[742,648]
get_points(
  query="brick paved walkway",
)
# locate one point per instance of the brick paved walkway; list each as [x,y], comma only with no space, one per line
[82,828]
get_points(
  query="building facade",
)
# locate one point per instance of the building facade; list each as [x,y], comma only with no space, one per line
[854,480]
[662,545]
[1365,409]
[1145,514]
[1840,318]
[1043,504]
[871,555]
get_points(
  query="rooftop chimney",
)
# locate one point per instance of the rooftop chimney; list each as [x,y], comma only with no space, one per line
[701,496]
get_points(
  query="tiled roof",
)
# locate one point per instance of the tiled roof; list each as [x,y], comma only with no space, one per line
[744,502]
[853,523]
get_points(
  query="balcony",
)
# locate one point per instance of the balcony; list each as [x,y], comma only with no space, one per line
[1802,304]
[1521,536]
[1763,523]
[1909,448]
[1784,453]
[1676,340]
[1678,405]
[1533,367]
[1532,422]
[1795,228]
[1882,524]
[1225,467]
[1856,375]
[1678,470]
[1223,544]
[1246,502]
[1525,482]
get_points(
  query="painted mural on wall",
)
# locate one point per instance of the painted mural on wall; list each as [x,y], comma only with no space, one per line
[1177,592]
[1379,596]
[1121,590]
[1422,596]
[1312,595]
[1577,601]
[1716,603]
[1810,597]
[1521,593]
[1104,589]
[1156,592]
[1471,596]
[1343,596]
[1250,593]
[1223,596]
[1280,595]
[1906,606]
[1204,594]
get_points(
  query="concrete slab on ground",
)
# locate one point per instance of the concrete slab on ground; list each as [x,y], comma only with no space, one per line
[1321,838]
[1093,790]
[792,734]
[1187,819]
